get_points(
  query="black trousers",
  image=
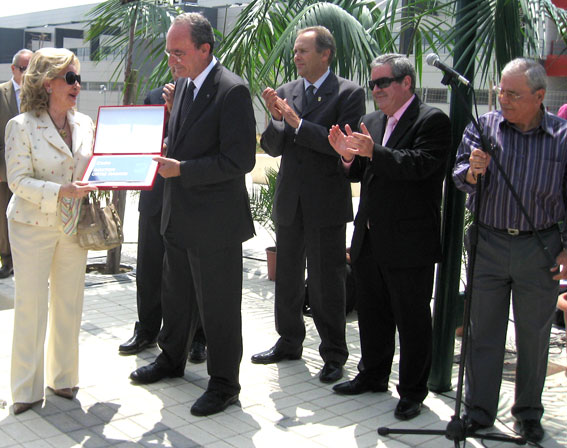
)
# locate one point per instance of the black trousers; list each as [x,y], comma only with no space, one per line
[206,284]
[324,250]
[149,273]
[390,298]
[151,251]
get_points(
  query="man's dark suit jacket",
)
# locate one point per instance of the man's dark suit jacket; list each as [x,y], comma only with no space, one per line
[309,168]
[8,110]
[401,190]
[208,205]
[151,200]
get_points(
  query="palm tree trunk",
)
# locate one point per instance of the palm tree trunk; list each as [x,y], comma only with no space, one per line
[113,256]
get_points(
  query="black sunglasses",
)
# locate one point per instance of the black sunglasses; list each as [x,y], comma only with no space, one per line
[382,83]
[21,68]
[71,78]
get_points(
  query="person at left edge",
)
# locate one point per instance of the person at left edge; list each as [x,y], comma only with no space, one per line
[9,108]
[206,214]
[48,148]
[150,258]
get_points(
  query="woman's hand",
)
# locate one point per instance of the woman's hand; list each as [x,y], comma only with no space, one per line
[76,189]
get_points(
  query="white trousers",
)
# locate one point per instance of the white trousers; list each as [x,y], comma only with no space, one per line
[49,271]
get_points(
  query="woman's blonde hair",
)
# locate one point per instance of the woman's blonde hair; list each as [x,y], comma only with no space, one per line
[45,65]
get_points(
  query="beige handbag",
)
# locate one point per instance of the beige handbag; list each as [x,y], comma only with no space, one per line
[99,227]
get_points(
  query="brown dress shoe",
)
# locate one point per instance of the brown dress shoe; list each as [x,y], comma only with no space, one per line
[66,392]
[18,408]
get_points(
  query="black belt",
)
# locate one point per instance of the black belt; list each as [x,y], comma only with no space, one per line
[516,232]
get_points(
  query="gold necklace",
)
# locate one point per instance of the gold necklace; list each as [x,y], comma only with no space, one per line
[61,130]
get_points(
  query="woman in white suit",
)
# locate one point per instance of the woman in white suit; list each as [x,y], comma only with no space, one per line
[47,149]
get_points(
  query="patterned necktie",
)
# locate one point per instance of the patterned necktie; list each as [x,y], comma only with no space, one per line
[309,95]
[392,122]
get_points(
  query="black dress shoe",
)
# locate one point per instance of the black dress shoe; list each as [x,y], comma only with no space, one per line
[153,373]
[275,354]
[213,402]
[472,426]
[407,409]
[358,385]
[198,352]
[531,430]
[6,271]
[137,343]
[332,371]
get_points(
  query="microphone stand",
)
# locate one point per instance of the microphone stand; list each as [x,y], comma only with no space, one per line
[456,429]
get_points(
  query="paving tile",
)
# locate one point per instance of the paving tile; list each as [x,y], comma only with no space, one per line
[37,444]
[128,427]
[128,444]
[61,441]
[242,441]
[42,428]
[86,437]
[171,436]
[64,422]
[200,436]
[5,439]
[106,412]
[19,432]
[110,433]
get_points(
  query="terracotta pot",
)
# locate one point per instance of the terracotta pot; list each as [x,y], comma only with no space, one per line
[271,258]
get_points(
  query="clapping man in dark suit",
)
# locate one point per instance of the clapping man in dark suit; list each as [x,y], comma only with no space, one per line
[150,259]
[206,214]
[312,201]
[399,155]
[9,108]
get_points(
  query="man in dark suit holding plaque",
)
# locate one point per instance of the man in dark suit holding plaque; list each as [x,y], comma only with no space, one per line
[312,202]
[206,214]
[399,156]
[150,259]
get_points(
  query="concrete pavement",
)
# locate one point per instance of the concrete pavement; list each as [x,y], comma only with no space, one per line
[281,405]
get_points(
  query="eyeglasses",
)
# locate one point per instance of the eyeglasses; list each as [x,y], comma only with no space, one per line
[71,78]
[383,83]
[176,53]
[510,96]
[21,68]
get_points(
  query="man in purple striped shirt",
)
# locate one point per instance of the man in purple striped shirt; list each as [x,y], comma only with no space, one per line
[531,146]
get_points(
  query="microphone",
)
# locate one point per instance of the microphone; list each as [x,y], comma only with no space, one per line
[433,59]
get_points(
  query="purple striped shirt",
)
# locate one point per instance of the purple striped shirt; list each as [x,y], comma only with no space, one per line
[536,163]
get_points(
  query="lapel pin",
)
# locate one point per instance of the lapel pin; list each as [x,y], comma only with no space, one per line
[319,99]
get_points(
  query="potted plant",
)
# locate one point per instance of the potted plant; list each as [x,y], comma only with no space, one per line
[261,205]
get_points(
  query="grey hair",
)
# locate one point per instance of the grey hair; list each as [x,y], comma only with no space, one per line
[199,27]
[400,65]
[16,57]
[534,72]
